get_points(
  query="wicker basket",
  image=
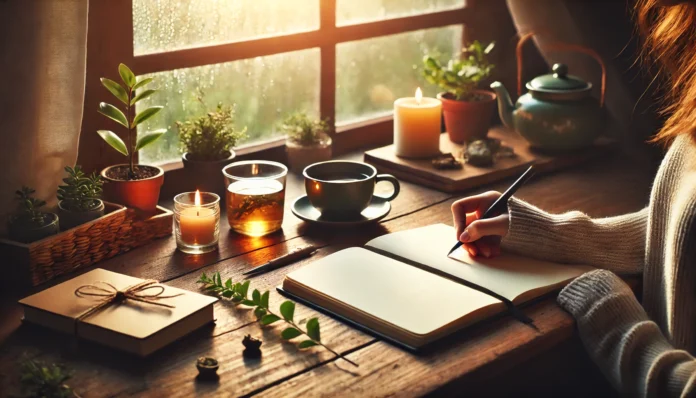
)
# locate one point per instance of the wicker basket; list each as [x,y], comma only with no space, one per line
[119,230]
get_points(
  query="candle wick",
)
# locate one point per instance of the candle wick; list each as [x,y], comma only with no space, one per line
[198,213]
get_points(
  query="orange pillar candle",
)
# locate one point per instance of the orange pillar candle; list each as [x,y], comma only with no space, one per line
[197,224]
[417,126]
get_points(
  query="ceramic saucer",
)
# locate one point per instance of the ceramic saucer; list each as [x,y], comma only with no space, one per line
[377,210]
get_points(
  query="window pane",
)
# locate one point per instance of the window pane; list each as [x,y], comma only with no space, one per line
[359,11]
[166,25]
[372,73]
[264,89]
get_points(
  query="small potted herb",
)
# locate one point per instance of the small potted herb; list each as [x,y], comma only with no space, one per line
[79,198]
[135,186]
[30,223]
[308,140]
[206,144]
[467,109]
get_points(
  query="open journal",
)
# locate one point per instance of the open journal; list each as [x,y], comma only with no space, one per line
[404,287]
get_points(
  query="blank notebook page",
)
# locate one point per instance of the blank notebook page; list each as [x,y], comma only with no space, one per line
[508,275]
[402,295]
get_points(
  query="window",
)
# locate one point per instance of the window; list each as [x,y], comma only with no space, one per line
[346,60]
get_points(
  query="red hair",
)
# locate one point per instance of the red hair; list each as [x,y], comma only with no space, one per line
[670,43]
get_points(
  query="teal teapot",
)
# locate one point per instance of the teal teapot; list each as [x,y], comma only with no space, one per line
[558,113]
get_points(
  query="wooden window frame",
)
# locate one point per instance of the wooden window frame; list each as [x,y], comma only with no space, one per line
[110,42]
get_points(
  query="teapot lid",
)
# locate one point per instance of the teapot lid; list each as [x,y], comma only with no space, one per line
[559,80]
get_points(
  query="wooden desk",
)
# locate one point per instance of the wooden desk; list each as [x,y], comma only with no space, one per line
[468,362]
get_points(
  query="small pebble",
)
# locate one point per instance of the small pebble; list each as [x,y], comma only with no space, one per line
[252,347]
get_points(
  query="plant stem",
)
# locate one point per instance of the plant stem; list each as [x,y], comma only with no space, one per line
[293,324]
[130,133]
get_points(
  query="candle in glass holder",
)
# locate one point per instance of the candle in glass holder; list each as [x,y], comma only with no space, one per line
[197,223]
[417,126]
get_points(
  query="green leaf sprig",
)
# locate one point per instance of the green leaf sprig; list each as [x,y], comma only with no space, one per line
[130,120]
[238,293]
[42,380]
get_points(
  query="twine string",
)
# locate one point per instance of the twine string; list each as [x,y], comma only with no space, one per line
[148,291]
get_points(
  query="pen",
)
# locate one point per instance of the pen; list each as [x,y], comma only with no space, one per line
[295,255]
[501,203]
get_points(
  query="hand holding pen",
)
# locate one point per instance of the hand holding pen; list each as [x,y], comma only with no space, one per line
[481,221]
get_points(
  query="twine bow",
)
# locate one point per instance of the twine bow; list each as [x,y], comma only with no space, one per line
[111,295]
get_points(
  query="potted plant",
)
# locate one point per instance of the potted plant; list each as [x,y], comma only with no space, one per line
[308,140]
[467,109]
[79,199]
[206,144]
[135,186]
[30,223]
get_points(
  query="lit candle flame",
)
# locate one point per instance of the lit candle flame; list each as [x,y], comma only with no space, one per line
[317,187]
[197,202]
[254,169]
[419,95]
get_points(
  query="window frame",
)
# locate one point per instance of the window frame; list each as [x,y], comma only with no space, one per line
[112,43]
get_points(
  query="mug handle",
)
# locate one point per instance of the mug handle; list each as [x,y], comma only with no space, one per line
[393,181]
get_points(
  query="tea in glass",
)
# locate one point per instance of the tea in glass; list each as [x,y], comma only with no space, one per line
[255,196]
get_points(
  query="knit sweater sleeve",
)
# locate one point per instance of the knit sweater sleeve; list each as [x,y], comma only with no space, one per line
[614,243]
[628,347]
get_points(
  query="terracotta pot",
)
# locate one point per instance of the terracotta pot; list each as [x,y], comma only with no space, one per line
[300,156]
[70,218]
[206,175]
[468,120]
[23,230]
[141,195]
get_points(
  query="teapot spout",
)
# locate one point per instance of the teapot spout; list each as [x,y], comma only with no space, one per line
[505,105]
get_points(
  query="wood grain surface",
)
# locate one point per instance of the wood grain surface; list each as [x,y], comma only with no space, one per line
[470,359]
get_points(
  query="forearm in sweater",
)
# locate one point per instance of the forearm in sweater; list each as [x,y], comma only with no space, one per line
[629,348]
[614,243]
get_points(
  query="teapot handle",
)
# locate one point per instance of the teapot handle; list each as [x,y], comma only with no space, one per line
[561,47]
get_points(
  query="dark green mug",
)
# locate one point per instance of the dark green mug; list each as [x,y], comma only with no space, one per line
[341,188]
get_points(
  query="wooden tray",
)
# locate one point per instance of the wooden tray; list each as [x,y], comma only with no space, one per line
[117,231]
[421,171]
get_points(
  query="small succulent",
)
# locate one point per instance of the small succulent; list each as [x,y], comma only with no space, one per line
[460,76]
[80,192]
[210,136]
[302,130]
[43,380]
[29,207]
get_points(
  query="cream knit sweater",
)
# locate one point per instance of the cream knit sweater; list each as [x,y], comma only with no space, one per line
[643,351]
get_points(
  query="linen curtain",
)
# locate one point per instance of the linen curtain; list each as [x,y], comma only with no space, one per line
[43,50]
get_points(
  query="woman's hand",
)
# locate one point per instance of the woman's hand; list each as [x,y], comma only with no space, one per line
[479,236]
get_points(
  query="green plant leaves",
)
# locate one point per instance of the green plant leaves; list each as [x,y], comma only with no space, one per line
[259,312]
[114,141]
[126,75]
[307,344]
[113,113]
[313,329]
[146,114]
[142,83]
[290,333]
[269,319]
[287,310]
[264,299]
[256,297]
[148,139]
[142,95]
[116,89]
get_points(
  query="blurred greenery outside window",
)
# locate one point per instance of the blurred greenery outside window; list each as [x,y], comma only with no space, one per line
[370,73]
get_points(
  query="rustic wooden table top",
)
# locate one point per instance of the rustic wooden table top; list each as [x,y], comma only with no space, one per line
[616,184]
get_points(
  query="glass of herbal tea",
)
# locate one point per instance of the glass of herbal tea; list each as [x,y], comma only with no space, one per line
[255,196]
